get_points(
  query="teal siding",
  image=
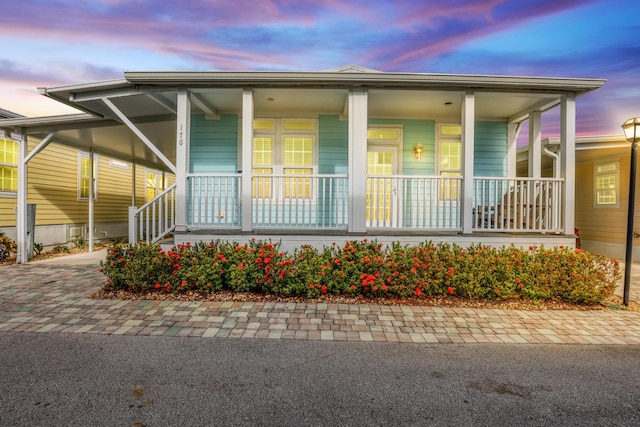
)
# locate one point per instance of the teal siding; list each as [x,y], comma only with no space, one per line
[214,144]
[333,145]
[333,153]
[490,152]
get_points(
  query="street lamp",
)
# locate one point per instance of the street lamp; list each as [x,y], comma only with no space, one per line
[631,130]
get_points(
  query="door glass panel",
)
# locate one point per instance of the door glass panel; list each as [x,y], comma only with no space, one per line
[379,189]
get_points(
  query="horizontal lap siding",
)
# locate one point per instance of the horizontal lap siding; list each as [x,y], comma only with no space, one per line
[7,214]
[214,144]
[333,145]
[53,187]
[607,225]
[490,150]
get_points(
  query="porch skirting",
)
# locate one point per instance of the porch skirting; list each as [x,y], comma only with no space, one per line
[291,241]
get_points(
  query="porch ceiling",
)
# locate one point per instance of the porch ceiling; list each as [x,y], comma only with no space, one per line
[383,103]
[105,136]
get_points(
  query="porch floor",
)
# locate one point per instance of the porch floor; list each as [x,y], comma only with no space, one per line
[291,241]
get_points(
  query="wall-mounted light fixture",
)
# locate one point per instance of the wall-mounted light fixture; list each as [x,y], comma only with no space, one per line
[417,151]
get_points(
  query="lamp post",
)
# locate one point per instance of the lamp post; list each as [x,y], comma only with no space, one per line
[631,130]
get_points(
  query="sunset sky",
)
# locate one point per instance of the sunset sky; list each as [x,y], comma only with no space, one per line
[59,42]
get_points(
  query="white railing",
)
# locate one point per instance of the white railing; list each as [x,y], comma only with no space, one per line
[300,201]
[413,202]
[517,204]
[155,219]
[214,201]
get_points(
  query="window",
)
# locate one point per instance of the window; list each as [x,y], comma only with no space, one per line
[8,165]
[84,178]
[449,159]
[283,147]
[607,177]
[154,184]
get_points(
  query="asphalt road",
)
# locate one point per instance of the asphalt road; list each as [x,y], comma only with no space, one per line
[94,380]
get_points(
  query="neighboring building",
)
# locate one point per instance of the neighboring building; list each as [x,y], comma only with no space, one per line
[58,185]
[321,157]
[602,190]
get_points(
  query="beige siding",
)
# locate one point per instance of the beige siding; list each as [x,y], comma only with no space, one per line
[53,187]
[607,225]
[7,214]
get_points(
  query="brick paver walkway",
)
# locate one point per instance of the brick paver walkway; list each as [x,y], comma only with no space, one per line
[54,298]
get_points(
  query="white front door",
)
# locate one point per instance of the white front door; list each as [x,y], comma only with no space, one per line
[383,201]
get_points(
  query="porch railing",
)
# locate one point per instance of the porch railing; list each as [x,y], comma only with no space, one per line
[414,202]
[155,219]
[517,204]
[300,201]
[214,201]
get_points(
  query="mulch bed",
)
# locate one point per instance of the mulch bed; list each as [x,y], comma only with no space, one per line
[430,301]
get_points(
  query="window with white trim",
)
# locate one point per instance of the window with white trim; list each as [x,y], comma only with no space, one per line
[8,165]
[607,185]
[84,176]
[154,184]
[283,147]
[449,149]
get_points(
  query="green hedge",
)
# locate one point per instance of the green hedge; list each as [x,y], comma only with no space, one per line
[365,268]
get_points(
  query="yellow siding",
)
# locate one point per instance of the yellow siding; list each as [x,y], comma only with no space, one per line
[607,225]
[53,187]
[7,214]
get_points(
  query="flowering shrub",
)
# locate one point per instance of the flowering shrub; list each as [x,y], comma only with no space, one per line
[365,268]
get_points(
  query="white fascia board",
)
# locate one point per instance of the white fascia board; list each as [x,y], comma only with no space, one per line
[452,81]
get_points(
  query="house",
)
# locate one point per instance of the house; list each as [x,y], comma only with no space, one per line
[322,157]
[602,190]
[58,185]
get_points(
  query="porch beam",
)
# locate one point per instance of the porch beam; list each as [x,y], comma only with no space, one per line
[535,145]
[245,165]
[183,138]
[357,162]
[163,102]
[202,104]
[541,106]
[101,94]
[41,146]
[21,214]
[139,134]
[568,161]
[468,140]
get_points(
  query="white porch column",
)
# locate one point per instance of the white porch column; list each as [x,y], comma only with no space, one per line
[92,180]
[568,161]
[468,142]
[357,162]
[183,138]
[513,130]
[245,166]
[21,216]
[535,144]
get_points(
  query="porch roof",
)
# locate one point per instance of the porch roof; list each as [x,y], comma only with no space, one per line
[104,135]
[153,93]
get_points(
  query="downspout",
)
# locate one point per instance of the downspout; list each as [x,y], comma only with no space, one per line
[555,156]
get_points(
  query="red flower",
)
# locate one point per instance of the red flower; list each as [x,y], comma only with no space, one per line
[311,286]
[157,285]
[184,283]
[450,290]
[353,286]
[267,260]
[324,289]
[418,292]
[240,266]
